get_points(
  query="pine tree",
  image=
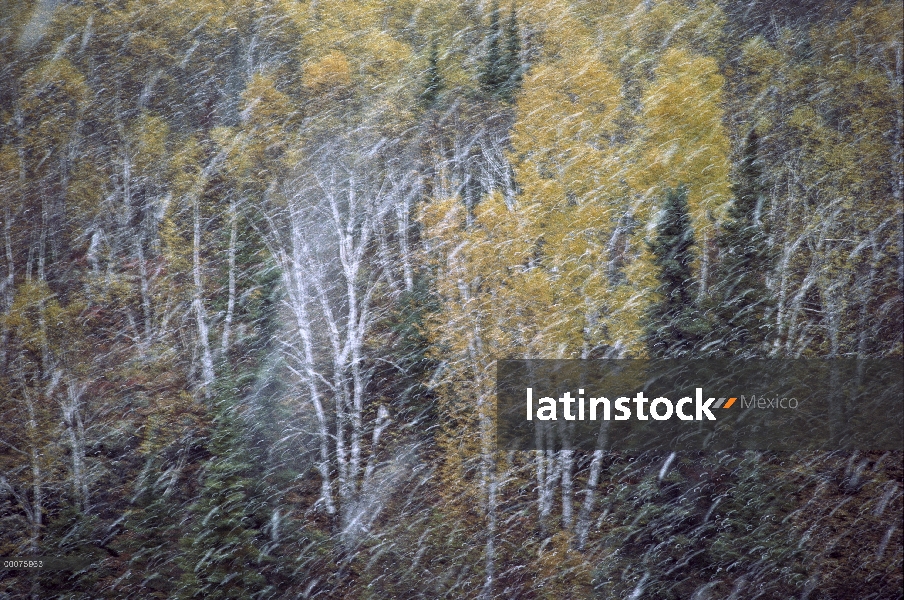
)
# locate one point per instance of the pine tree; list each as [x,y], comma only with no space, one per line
[435,83]
[741,302]
[502,71]
[492,77]
[676,531]
[225,552]
[675,325]
[512,58]
[223,549]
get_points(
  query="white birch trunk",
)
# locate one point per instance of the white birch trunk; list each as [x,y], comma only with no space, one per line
[230,302]
[566,460]
[75,428]
[582,529]
[37,503]
[7,283]
[297,296]
[207,375]
[321,235]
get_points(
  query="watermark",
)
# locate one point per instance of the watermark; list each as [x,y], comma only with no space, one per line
[661,409]
[669,405]
[44,563]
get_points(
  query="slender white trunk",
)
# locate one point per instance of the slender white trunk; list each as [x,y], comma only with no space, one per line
[321,237]
[704,265]
[126,215]
[543,507]
[355,402]
[566,459]
[403,210]
[379,426]
[75,428]
[46,358]
[297,294]
[490,546]
[780,301]
[583,525]
[37,504]
[207,374]
[37,478]
[898,161]
[547,471]
[341,392]
[6,284]
[387,263]
[490,483]
[553,474]
[230,302]
[866,289]
[145,290]
[194,198]
[785,329]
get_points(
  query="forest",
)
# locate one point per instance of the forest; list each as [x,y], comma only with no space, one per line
[259,260]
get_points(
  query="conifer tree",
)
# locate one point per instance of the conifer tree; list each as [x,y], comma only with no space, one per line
[738,521]
[435,83]
[492,77]
[502,71]
[675,325]
[223,550]
[741,303]
[512,58]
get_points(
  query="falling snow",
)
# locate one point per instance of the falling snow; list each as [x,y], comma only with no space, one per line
[259,259]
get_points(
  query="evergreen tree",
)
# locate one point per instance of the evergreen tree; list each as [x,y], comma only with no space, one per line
[675,325]
[740,300]
[512,58]
[492,77]
[502,71]
[677,532]
[435,83]
[223,550]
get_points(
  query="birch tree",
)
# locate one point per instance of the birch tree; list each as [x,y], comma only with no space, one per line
[324,224]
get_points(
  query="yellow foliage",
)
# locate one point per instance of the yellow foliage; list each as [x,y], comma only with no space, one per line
[328,73]
[265,133]
[148,137]
[9,173]
[263,104]
[382,56]
[566,572]
[560,31]
[86,189]
[55,94]
[685,139]
[187,165]
[570,170]
[40,323]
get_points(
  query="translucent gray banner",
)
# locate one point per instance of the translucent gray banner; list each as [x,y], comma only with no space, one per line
[668,405]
